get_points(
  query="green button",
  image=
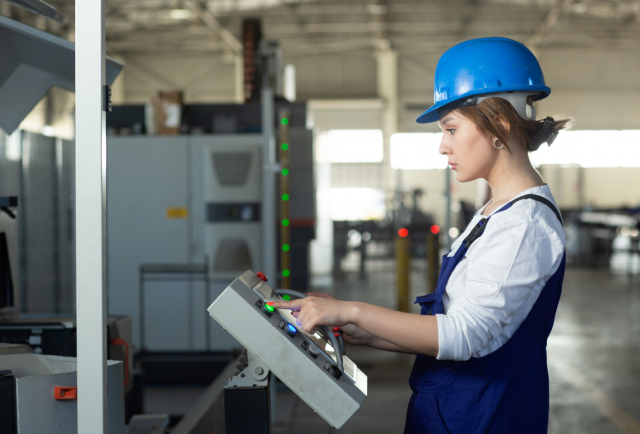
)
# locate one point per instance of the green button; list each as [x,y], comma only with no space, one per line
[284,121]
[286,273]
[285,248]
[269,308]
[285,172]
[285,146]
[285,197]
[286,297]
[285,222]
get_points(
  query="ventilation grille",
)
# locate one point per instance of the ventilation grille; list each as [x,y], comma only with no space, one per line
[231,168]
[233,255]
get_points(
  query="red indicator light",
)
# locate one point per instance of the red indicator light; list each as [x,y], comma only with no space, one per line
[435,229]
[403,232]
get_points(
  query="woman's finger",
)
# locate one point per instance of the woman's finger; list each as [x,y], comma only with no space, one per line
[321,295]
[293,304]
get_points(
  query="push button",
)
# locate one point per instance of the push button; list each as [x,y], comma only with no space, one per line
[313,350]
[291,330]
[268,310]
[261,276]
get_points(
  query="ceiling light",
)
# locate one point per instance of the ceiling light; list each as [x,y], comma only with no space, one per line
[180,14]
[48,130]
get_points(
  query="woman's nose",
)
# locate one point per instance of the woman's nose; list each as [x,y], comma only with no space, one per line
[443,148]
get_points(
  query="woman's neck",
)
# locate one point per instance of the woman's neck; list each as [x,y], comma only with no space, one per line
[511,175]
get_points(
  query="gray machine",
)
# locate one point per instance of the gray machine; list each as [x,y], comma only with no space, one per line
[39,393]
[312,366]
[177,200]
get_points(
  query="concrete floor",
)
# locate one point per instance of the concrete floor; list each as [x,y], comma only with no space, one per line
[594,367]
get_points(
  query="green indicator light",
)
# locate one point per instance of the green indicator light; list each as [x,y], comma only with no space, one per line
[284,146]
[286,273]
[285,247]
[269,308]
[284,121]
[285,222]
[285,172]
[285,197]
[286,297]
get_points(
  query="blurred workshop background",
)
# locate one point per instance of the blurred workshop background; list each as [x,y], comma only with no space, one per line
[364,204]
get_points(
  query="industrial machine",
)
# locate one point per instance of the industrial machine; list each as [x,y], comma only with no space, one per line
[312,365]
[195,200]
[38,393]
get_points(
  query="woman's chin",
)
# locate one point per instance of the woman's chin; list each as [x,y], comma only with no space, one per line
[462,177]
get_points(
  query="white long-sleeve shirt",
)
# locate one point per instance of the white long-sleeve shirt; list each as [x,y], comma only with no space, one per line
[494,287]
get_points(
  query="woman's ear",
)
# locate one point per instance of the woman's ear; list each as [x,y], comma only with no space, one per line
[503,123]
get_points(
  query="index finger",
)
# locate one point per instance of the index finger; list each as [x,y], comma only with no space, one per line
[293,304]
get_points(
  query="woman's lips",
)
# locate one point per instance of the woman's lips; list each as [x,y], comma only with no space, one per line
[453,166]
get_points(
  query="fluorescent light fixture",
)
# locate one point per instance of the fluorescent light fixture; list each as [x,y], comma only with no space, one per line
[357,204]
[355,146]
[47,130]
[180,14]
[13,146]
[610,148]
[417,151]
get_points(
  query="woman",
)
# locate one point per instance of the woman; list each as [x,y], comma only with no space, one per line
[481,337]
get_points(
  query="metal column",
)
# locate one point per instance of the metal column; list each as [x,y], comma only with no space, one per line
[269,170]
[285,231]
[90,216]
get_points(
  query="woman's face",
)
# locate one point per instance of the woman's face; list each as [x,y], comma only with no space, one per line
[469,152]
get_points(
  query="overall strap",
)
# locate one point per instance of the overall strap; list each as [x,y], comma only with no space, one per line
[451,263]
[540,199]
[482,224]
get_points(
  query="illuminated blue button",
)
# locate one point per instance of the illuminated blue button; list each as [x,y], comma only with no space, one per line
[291,329]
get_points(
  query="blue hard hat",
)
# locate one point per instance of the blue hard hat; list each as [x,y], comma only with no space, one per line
[483,66]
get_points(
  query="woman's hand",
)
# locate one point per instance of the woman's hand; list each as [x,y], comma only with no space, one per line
[317,311]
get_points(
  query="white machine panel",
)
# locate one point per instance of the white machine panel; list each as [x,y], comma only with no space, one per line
[305,363]
[233,232]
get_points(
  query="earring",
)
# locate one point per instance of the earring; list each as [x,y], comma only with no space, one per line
[494,144]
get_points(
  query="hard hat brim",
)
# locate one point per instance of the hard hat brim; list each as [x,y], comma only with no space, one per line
[432,114]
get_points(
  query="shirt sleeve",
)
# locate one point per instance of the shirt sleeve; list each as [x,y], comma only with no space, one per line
[511,264]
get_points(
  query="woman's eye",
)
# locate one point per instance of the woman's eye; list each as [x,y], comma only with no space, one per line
[451,131]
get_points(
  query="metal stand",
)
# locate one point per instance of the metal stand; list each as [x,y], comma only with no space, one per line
[161,271]
[249,392]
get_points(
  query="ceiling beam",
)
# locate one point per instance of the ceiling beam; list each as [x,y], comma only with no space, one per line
[549,22]
[215,26]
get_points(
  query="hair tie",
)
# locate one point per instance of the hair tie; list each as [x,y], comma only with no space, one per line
[547,133]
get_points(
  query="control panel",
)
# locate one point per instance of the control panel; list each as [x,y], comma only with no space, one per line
[311,365]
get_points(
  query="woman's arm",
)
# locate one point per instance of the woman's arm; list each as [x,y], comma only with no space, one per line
[411,332]
[354,335]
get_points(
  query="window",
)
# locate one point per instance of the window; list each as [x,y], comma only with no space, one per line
[357,204]
[415,151]
[355,146]
[591,149]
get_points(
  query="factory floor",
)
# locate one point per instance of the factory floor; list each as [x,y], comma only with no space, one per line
[593,357]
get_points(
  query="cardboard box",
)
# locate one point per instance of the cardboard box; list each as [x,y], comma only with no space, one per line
[169,112]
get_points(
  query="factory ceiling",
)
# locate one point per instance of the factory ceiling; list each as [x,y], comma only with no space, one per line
[309,27]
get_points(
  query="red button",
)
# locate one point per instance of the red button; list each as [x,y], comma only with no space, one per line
[261,276]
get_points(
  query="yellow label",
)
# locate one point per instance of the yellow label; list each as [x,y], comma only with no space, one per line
[177,213]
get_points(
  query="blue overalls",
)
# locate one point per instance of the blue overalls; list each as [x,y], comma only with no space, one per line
[504,392]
